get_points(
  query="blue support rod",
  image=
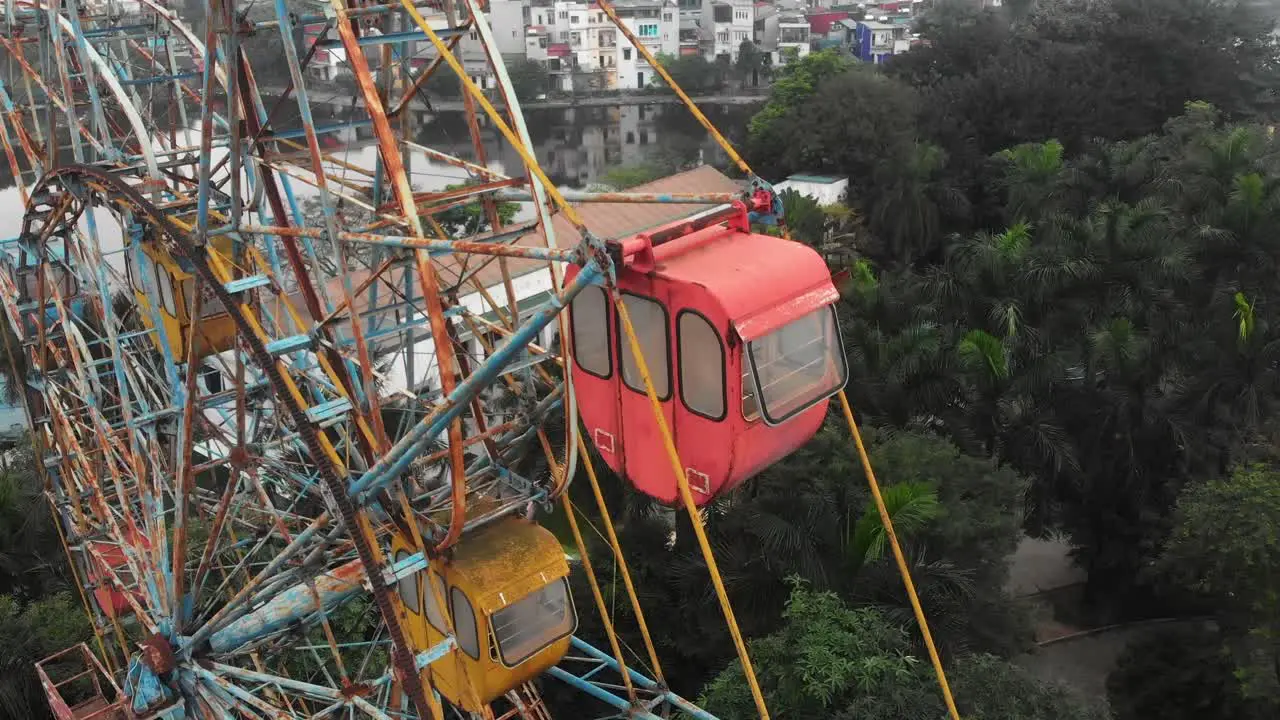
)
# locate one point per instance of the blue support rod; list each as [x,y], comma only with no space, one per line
[397,459]
[684,705]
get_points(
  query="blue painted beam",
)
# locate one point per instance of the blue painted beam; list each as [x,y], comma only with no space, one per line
[320,130]
[412,444]
[390,38]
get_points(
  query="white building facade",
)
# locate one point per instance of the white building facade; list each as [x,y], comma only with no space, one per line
[726,24]
[583,49]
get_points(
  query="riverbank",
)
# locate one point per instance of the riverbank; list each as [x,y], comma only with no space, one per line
[592,100]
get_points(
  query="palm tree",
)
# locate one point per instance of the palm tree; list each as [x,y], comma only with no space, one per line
[911,201]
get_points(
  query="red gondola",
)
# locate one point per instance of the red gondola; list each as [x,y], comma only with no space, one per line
[107,558]
[740,334]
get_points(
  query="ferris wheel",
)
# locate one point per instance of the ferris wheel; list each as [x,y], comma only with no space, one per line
[299,459]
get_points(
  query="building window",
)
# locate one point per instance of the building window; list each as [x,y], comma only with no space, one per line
[564,14]
[575,39]
[589,325]
[575,20]
[740,15]
[666,17]
[644,137]
[723,37]
[740,35]
[702,367]
[648,30]
[626,53]
[631,138]
[650,321]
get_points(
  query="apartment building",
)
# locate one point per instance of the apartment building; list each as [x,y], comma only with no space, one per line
[725,25]
[583,49]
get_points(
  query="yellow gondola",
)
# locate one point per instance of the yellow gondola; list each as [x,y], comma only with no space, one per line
[507,589]
[155,266]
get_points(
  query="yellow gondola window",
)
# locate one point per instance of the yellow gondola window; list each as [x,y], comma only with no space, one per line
[530,624]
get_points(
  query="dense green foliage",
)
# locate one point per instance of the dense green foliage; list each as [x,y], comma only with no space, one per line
[1179,674]
[1226,545]
[693,73]
[832,661]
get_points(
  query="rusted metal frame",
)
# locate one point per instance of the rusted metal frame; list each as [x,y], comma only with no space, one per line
[233,102]
[236,605]
[330,362]
[402,453]
[15,118]
[31,101]
[114,528]
[288,90]
[215,531]
[175,91]
[423,77]
[59,51]
[38,443]
[717,198]
[245,557]
[318,445]
[426,273]
[245,703]
[213,16]
[329,157]
[330,640]
[338,370]
[14,168]
[90,81]
[99,264]
[464,193]
[55,97]
[482,158]
[281,162]
[126,106]
[477,406]
[370,388]
[520,147]
[280,101]
[185,472]
[457,162]
[497,249]
[100,427]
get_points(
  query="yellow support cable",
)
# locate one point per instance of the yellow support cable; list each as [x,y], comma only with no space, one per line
[599,597]
[900,557]
[694,517]
[585,556]
[530,161]
[666,77]
[621,561]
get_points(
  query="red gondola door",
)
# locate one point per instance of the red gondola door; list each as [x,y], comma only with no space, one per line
[646,462]
[703,401]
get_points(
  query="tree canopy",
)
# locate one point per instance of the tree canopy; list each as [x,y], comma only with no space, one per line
[829,660]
